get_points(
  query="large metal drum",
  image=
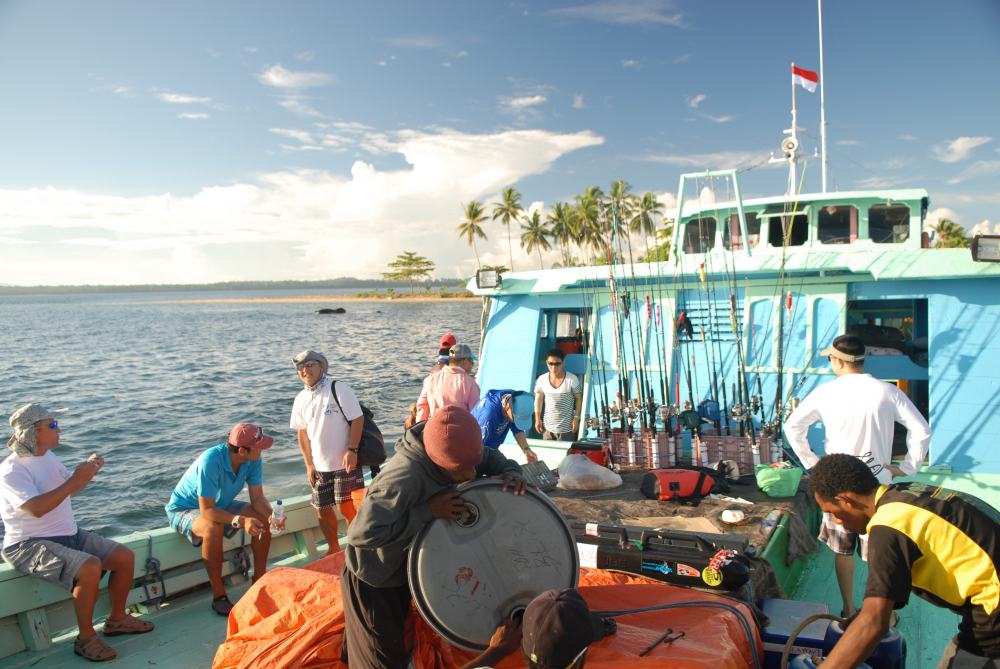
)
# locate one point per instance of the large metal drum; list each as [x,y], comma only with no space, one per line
[467,576]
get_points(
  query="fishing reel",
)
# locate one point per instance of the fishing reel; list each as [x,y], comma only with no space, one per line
[665,412]
[755,404]
[631,412]
[594,423]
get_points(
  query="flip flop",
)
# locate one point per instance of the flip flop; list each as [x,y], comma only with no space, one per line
[94,649]
[222,605]
[127,625]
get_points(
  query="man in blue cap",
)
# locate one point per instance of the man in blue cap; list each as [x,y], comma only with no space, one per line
[499,413]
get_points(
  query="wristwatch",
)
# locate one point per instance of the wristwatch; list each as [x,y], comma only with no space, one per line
[354,450]
[235,522]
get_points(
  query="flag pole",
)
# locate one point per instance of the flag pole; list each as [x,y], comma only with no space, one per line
[822,98]
[795,128]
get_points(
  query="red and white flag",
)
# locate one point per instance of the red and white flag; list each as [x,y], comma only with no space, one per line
[807,79]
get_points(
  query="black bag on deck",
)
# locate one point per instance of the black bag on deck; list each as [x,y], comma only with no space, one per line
[673,556]
[371,450]
[679,483]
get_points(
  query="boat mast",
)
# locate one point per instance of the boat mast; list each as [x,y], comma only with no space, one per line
[789,146]
[822,98]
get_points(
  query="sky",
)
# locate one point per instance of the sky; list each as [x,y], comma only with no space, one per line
[190,142]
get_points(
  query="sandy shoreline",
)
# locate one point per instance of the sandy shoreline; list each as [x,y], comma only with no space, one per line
[321,298]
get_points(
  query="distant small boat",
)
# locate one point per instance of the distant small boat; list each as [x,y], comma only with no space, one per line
[338,310]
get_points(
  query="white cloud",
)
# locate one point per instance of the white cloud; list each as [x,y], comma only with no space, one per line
[935,215]
[631,64]
[683,58]
[305,56]
[300,135]
[297,106]
[294,224]
[182,98]
[193,116]
[958,149]
[693,102]
[520,103]
[848,142]
[279,77]
[723,118]
[628,12]
[984,227]
[578,101]
[980,168]
[908,138]
[718,160]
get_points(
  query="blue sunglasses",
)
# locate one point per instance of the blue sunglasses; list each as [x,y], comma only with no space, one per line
[53,425]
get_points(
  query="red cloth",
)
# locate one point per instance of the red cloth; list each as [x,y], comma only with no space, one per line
[292,618]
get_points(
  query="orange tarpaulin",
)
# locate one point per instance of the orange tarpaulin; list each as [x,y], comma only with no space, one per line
[293,618]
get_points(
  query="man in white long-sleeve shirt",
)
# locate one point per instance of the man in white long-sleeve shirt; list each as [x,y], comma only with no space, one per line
[858,413]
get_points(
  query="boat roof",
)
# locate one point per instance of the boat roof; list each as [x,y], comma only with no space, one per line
[847,263]
[801,200]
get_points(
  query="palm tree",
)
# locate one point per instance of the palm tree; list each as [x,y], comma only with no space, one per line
[507,210]
[620,199]
[470,228]
[587,215]
[950,235]
[644,215]
[562,228]
[535,236]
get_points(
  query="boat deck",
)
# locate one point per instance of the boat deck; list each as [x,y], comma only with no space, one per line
[188,632]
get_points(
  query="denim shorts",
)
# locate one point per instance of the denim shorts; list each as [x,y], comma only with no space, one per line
[58,559]
[842,541]
[182,520]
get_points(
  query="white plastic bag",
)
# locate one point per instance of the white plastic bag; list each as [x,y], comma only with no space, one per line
[578,472]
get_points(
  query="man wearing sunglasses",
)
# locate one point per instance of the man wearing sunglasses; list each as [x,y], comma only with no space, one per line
[558,400]
[42,539]
[204,508]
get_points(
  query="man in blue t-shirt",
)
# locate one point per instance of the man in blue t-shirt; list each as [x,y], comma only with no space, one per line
[204,509]
[499,412]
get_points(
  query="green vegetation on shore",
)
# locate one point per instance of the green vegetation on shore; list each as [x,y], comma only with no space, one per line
[374,285]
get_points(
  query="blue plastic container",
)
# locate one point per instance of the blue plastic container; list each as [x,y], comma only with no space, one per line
[806,662]
[889,654]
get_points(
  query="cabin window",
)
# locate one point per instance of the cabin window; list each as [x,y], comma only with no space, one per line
[837,224]
[699,235]
[889,223]
[732,236]
[795,228]
[566,330]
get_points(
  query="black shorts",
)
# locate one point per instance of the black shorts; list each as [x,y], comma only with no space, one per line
[332,488]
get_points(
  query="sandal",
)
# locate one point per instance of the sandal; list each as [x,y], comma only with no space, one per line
[127,625]
[222,605]
[94,649]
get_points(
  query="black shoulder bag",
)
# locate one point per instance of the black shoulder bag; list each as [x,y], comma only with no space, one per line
[371,450]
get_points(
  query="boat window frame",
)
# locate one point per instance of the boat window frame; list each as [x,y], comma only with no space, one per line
[890,205]
[853,223]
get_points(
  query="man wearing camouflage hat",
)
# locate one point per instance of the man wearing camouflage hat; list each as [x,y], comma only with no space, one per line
[42,539]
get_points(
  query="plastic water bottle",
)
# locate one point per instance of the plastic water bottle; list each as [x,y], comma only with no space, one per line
[277,515]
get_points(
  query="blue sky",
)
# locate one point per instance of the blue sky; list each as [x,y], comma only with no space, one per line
[205,141]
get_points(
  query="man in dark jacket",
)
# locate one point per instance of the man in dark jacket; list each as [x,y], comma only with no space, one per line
[414,487]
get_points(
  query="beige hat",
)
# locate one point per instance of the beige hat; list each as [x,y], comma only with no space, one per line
[845,347]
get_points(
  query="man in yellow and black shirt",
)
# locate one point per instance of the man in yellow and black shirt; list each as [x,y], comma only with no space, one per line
[941,544]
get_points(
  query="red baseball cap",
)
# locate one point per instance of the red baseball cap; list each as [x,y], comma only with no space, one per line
[248,435]
[447,340]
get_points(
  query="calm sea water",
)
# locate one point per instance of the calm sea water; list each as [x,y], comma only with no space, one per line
[151,384]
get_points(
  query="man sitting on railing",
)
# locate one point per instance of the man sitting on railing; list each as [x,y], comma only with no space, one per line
[204,509]
[41,535]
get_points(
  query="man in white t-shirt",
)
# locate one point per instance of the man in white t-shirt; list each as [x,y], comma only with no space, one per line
[329,431]
[42,539]
[858,413]
[558,400]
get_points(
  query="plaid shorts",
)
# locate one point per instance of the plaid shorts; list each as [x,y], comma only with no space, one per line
[58,559]
[842,541]
[331,488]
